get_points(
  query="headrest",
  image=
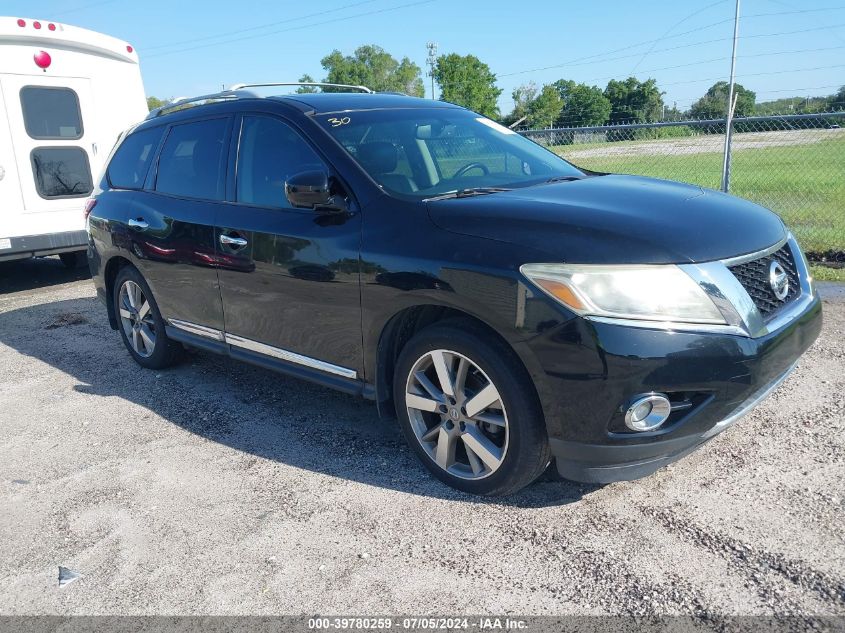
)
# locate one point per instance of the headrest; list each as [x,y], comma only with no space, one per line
[379,157]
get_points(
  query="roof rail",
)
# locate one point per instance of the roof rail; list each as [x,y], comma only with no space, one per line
[315,84]
[237,91]
[217,96]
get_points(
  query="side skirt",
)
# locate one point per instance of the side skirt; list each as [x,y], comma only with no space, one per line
[212,341]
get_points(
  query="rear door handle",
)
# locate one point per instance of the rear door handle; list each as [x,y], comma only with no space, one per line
[228,240]
[138,223]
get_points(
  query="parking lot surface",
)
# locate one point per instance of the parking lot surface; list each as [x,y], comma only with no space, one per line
[220,488]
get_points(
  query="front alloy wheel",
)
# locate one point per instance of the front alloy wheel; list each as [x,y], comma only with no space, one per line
[469,409]
[136,318]
[457,414]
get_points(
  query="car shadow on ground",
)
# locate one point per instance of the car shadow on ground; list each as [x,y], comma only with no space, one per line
[247,408]
[37,272]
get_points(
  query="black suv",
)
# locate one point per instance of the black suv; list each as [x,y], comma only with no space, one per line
[509,308]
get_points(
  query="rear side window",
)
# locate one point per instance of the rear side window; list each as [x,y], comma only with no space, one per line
[51,113]
[130,163]
[61,172]
[191,161]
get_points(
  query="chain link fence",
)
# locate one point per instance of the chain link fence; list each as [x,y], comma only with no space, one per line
[794,164]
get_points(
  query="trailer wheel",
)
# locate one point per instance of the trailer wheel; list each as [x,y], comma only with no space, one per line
[74,259]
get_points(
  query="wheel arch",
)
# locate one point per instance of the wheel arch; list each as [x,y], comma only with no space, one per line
[113,267]
[406,322]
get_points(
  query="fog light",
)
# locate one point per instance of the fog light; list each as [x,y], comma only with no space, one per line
[648,412]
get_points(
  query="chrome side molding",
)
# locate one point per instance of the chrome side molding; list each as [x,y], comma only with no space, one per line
[262,348]
[199,330]
[291,357]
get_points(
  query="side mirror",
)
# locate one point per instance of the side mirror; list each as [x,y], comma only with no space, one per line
[310,190]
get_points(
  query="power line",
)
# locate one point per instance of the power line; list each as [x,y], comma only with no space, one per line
[664,50]
[786,4]
[259,27]
[672,28]
[295,28]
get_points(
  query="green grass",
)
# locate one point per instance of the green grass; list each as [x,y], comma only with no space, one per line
[804,184]
[823,273]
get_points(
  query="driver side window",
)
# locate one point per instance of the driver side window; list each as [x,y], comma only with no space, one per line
[269,153]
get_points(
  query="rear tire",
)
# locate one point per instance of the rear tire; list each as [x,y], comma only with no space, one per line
[140,323]
[75,259]
[487,437]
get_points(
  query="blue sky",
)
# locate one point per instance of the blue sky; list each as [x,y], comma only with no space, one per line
[787,47]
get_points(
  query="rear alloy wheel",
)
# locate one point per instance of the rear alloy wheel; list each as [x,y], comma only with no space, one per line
[140,323]
[136,319]
[469,410]
[457,414]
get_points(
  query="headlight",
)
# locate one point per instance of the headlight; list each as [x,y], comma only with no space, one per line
[649,293]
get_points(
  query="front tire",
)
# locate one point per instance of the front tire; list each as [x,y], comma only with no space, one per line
[140,323]
[469,410]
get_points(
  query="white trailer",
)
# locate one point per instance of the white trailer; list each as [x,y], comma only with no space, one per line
[66,94]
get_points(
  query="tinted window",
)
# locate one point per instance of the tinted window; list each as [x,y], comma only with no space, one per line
[424,152]
[270,153]
[61,172]
[130,163]
[191,162]
[51,113]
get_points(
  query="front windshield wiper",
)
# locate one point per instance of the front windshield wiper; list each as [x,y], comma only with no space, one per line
[467,193]
[563,179]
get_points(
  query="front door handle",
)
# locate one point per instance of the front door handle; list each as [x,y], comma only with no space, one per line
[234,242]
[138,223]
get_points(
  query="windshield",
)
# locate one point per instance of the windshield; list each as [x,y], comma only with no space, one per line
[423,153]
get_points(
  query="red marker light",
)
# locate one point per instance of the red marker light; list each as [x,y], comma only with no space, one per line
[51,26]
[37,25]
[129,49]
[21,23]
[42,59]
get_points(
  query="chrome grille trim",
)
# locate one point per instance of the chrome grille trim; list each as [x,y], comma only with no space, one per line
[754,277]
[748,257]
[736,304]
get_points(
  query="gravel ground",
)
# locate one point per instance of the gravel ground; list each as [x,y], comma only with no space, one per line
[220,488]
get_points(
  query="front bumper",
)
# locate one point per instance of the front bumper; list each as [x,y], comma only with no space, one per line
[735,373]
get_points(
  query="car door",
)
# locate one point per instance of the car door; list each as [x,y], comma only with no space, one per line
[171,226]
[288,277]
[54,140]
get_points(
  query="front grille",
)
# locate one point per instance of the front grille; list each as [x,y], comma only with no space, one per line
[754,277]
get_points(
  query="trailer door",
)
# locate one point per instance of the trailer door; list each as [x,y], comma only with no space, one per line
[52,122]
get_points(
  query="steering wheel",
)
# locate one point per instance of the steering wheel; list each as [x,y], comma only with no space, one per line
[470,166]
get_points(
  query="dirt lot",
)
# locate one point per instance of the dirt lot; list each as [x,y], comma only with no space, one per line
[219,488]
[706,144]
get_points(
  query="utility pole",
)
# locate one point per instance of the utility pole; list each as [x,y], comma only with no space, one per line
[432,62]
[726,163]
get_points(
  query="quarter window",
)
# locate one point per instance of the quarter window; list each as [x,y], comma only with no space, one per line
[270,153]
[191,162]
[130,163]
[51,113]
[61,172]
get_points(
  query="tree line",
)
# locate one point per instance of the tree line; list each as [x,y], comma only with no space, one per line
[467,81]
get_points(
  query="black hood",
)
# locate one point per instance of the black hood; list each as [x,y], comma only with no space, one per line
[616,220]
